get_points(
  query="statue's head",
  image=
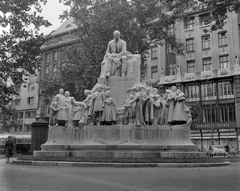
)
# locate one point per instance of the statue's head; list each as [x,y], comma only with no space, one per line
[67,93]
[116,35]
[55,104]
[108,93]
[155,90]
[165,96]
[61,91]
[174,88]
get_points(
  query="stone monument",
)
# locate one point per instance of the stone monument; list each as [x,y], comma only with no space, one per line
[121,117]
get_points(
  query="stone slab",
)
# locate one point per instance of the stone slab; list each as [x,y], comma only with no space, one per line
[118,87]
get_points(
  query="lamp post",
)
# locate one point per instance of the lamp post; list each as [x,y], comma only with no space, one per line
[210,92]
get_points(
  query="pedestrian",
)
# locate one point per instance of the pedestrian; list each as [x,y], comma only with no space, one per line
[8,148]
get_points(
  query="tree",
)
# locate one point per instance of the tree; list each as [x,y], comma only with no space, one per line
[96,21]
[20,43]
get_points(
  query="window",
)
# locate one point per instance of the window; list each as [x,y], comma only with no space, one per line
[225,90]
[30,114]
[191,66]
[30,100]
[208,91]
[190,45]
[154,72]
[54,68]
[48,58]
[172,68]
[190,23]
[227,112]
[20,115]
[192,93]
[59,40]
[154,52]
[224,61]
[209,114]
[205,19]
[17,101]
[31,86]
[207,64]
[222,39]
[171,29]
[47,70]
[55,56]
[206,42]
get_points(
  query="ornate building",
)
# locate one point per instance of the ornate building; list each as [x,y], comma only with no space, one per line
[209,74]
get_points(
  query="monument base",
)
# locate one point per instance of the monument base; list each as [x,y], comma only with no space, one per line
[118,86]
[120,142]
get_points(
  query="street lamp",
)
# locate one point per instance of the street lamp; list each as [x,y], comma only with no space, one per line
[209,91]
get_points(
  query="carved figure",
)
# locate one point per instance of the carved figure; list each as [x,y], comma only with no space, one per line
[85,110]
[98,98]
[69,106]
[179,115]
[109,112]
[53,113]
[61,114]
[147,106]
[171,101]
[137,103]
[165,110]
[118,58]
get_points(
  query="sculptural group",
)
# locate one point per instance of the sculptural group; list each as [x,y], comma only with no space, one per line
[144,106]
[98,108]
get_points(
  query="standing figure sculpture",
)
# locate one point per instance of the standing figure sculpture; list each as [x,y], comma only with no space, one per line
[98,98]
[116,56]
[179,115]
[171,101]
[164,111]
[69,107]
[53,113]
[109,112]
[61,114]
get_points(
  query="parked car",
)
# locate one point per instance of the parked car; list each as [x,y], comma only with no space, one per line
[233,151]
[216,150]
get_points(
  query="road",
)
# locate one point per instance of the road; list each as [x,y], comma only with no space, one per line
[38,178]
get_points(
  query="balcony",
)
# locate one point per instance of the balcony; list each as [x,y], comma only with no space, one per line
[200,75]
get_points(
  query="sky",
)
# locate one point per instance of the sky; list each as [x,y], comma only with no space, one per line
[51,12]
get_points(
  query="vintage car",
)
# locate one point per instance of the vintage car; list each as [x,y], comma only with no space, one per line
[216,150]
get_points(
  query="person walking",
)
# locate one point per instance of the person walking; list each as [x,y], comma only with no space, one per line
[9,148]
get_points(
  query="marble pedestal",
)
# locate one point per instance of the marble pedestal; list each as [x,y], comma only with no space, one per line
[118,86]
[120,141]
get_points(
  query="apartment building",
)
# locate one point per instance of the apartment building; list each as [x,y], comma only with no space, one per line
[208,74]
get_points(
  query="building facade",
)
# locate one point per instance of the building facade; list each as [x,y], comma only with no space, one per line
[208,74]
[53,55]
[26,104]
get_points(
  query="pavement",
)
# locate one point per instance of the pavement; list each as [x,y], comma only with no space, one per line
[67,178]
[122,165]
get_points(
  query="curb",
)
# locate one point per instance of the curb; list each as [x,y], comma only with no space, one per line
[122,165]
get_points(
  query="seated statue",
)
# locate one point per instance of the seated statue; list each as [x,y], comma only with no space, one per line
[118,61]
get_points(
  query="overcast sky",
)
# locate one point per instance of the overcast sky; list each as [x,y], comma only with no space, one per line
[51,12]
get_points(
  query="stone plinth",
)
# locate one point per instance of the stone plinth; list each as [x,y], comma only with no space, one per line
[118,87]
[121,141]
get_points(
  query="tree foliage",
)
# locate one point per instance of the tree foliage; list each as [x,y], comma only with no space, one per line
[97,20]
[142,23]
[20,43]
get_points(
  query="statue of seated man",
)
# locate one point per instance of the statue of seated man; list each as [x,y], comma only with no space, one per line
[116,56]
